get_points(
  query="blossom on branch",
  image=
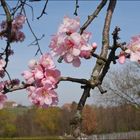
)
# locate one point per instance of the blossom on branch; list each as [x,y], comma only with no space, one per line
[41,96]
[122,57]
[71,45]
[133,48]
[43,78]
[17,25]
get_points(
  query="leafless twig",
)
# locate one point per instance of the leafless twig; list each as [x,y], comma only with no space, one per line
[43,11]
[76,8]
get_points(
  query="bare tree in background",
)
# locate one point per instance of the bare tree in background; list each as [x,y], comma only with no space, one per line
[123,86]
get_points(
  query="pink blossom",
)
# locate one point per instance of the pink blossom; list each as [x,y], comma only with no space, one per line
[19,36]
[42,96]
[122,58]
[69,25]
[51,78]
[86,51]
[86,36]
[28,76]
[47,61]
[2,64]
[2,84]
[71,45]
[94,45]
[38,74]
[17,24]
[76,62]
[3,98]
[133,48]
[44,78]
[19,21]
[32,64]
[75,38]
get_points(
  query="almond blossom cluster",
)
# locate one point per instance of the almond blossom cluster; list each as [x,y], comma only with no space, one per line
[71,45]
[17,25]
[133,49]
[43,78]
[5,85]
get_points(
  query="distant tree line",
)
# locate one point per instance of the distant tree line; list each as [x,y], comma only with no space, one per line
[55,120]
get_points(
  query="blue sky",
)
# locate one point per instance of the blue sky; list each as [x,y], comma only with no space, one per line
[126,16]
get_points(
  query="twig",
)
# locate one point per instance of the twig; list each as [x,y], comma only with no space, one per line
[132,101]
[76,80]
[98,57]
[93,16]
[34,42]
[43,11]
[36,39]
[76,8]
[102,91]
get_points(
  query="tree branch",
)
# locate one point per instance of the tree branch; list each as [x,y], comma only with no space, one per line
[111,56]
[76,80]
[20,87]
[43,11]
[99,63]
[76,8]
[36,39]
[105,42]
[8,30]
[93,16]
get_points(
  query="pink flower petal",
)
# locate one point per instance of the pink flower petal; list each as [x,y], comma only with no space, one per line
[69,58]
[32,64]
[121,58]
[75,52]
[39,74]
[76,38]
[76,62]
[134,56]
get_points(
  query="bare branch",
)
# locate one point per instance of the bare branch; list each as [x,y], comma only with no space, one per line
[43,11]
[76,80]
[129,99]
[111,56]
[36,39]
[76,8]
[105,42]
[98,57]
[93,15]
